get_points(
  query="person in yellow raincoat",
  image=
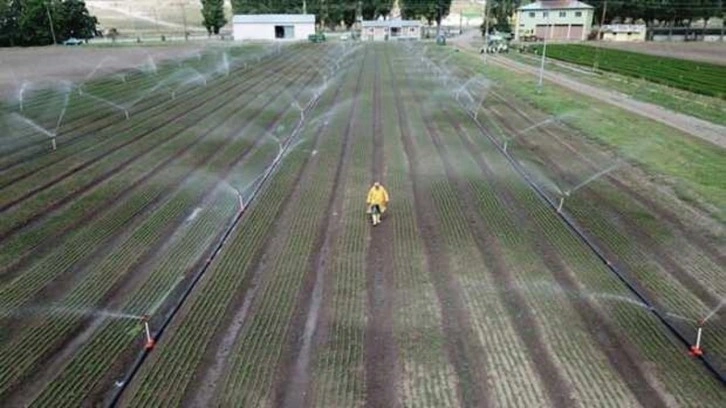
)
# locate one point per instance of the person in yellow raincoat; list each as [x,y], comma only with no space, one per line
[377,202]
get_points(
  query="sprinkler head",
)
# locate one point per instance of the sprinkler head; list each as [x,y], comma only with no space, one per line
[149,344]
[696,351]
[145,318]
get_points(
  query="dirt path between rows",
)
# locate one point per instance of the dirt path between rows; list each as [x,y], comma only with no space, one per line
[381,361]
[699,128]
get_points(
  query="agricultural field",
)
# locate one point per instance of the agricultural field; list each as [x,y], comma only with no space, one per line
[694,76]
[220,199]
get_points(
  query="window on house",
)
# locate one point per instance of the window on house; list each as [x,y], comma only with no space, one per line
[578,14]
[545,14]
[563,14]
[531,14]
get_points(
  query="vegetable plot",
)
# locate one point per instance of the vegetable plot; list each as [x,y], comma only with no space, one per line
[699,77]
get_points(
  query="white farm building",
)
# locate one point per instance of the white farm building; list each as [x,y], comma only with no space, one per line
[273,26]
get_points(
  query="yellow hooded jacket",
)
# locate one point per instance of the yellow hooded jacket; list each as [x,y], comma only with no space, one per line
[378,195]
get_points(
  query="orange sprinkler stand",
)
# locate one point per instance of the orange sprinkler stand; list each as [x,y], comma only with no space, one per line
[150,343]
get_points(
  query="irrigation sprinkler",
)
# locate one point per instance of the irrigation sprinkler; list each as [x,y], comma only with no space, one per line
[52,142]
[715,310]
[109,103]
[593,178]
[149,340]
[21,92]
[559,206]
[696,350]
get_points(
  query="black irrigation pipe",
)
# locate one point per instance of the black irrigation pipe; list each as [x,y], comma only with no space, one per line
[712,365]
[217,249]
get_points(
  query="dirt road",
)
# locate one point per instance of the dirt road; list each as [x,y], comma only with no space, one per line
[699,128]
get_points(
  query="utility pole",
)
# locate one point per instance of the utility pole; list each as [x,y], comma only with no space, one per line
[50,19]
[156,21]
[602,20]
[542,64]
[184,21]
[723,17]
[486,28]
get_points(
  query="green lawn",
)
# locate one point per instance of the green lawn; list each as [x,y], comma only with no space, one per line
[700,106]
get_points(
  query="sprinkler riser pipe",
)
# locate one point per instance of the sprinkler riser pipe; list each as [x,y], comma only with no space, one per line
[698,338]
[148,332]
[52,142]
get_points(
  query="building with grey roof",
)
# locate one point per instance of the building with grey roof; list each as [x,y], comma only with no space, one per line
[273,26]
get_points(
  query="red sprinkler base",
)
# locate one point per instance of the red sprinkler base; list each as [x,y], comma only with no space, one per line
[149,344]
[696,351]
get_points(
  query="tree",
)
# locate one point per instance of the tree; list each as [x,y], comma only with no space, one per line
[76,21]
[28,22]
[501,11]
[372,9]
[431,10]
[113,34]
[213,15]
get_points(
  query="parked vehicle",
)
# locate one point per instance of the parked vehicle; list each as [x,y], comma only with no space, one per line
[73,41]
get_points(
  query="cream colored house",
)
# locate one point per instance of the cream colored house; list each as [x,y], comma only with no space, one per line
[624,32]
[385,30]
[559,20]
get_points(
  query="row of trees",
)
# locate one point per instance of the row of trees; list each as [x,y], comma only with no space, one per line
[672,12]
[668,12]
[43,22]
[332,13]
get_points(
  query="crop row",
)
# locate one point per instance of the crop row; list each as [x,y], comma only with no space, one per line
[634,323]
[427,376]
[135,90]
[175,113]
[119,185]
[541,295]
[685,284]
[338,359]
[169,273]
[173,363]
[645,341]
[258,352]
[650,222]
[21,283]
[89,297]
[699,77]
[464,241]
[112,131]
[614,204]
[230,153]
